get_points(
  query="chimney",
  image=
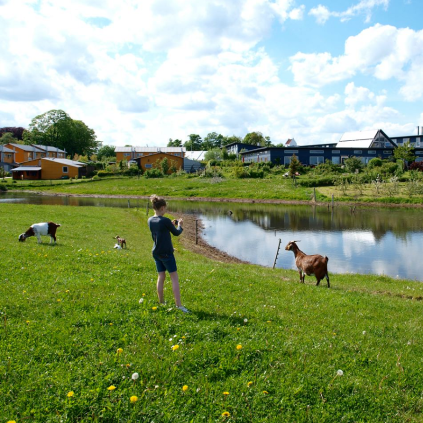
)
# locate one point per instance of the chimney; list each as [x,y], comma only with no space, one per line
[418,129]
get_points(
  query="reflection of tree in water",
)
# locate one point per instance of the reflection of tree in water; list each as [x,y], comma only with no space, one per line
[401,222]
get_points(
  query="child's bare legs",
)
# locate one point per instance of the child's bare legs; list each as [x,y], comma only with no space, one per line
[175,287]
[160,284]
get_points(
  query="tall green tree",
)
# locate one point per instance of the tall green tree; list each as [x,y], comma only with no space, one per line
[57,129]
[257,138]
[174,143]
[405,153]
[106,151]
[8,137]
[212,140]
[231,139]
[194,143]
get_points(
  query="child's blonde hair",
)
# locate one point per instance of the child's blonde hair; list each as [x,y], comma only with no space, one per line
[157,202]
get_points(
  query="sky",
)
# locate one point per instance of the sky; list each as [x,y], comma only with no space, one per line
[140,72]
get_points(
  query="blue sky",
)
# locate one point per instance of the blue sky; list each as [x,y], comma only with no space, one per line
[139,73]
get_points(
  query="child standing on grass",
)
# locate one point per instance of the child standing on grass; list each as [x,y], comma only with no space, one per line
[161,227]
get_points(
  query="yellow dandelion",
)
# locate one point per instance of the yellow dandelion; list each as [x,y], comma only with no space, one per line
[91,280]
[119,350]
[265,392]
[71,394]
[239,347]
[67,291]
[226,393]
[133,399]
[226,414]
[58,300]
[185,388]
[154,308]
[111,388]
[27,322]
[249,384]
[175,347]
[11,421]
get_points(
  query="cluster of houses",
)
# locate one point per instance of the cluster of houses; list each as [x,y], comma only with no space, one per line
[44,162]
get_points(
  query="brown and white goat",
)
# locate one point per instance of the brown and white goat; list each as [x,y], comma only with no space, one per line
[315,264]
[120,241]
[38,229]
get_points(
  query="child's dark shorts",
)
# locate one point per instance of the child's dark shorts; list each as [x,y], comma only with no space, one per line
[165,262]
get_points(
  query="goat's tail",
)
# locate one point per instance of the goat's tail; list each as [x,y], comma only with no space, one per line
[326,258]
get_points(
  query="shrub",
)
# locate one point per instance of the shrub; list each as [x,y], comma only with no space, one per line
[327,168]
[104,173]
[376,162]
[133,170]
[153,173]
[416,166]
[353,164]
[3,188]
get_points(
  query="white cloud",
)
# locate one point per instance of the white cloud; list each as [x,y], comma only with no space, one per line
[364,7]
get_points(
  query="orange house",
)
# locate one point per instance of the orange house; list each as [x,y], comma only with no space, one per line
[23,153]
[6,158]
[133,153]
[50,168]
[150,161]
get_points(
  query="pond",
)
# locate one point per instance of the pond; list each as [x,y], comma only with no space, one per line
[384,241]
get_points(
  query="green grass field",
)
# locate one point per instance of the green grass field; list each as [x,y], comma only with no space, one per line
[78,319]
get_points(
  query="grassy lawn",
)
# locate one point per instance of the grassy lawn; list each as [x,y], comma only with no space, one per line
[80,318]
[183,187]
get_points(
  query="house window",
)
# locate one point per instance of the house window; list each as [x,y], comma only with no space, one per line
[387,152]
[336,160]
[404,140]
[418,142]
[394,140]
[291,152]
[358,151]
[336,151]
[287,160]
[315,160]
[148,166]
[65,169]
[126,154]
[316,152]
[372,152]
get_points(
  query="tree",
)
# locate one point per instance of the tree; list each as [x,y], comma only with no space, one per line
[353,164]
[212,140]
[194,143]
[257,138]
[17,132]
[56,128]
[106,151]
[8,138]
[405,153]
[215,154]
[294,166]
[174,143]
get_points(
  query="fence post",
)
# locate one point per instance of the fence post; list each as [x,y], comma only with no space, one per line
[148,205]
[196,231]
[129,204]
[277,253]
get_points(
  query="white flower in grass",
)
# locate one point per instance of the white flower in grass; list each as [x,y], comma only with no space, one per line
[135,376]
[141,300]
[245,320]
[364,332]
[340,373]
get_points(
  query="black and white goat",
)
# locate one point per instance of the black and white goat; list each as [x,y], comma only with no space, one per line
[315,264]
[39,229]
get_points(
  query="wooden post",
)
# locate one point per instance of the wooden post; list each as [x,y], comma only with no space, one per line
[196,231]
[129,204]
[332,201]
[148,205]
[277,253]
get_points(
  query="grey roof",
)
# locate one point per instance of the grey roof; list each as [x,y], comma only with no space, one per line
[28,147]
[150,149]
[26,168]
[49,148]
[66,162]
[361,139]
[5,149]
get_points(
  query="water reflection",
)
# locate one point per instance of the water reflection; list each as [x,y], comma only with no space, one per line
[370,240]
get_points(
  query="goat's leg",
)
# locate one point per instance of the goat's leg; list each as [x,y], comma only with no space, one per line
[38,238]
[301,276]
[318,282]
[327,278]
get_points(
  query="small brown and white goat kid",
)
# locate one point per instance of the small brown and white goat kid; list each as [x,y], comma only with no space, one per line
[39,229]
[120,241]
[315,264]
